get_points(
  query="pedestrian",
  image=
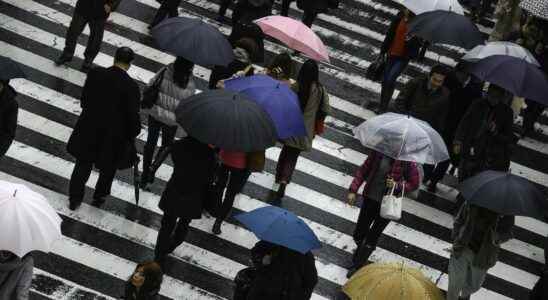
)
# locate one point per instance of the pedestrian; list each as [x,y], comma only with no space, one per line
[397,50]
[15,276]
[93,13]
[104,135]
[379,173]
[508,16]
[476,244]
[530,115]
[463,90]
[312,8]
[285,7]
[244,49]
[185,194]
[243,26]
[167,9]
[145,282]
[8,115]
[314,103]
[281,68]
[177,84]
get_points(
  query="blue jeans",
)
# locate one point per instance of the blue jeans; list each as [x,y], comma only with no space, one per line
[394,67]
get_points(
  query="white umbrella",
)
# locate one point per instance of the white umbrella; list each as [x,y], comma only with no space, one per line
[27,221]
[500,48]
[422,6]
[538,8]
[403,138]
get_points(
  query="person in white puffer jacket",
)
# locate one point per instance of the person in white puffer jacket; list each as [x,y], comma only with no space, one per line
[177,85]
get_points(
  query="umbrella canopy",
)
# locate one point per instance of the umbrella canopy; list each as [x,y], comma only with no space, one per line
[538,8]
[194,40]
[391,281]
[276,98]
[295,35]
[10,69]
[422,6]
[504,193]
[280,227]
[514,75]
[500,48]
[446,27]
[402,138]
[228,120]
[27,220]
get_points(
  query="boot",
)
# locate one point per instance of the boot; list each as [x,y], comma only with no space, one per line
[281,190]
[217,227]
[360,259]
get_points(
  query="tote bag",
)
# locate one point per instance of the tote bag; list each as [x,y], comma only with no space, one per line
[391,205]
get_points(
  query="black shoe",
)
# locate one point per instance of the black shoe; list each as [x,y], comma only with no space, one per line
[281,190]
[351,271]
[73,205]
[432,187]
[86,66]
[62,60]
[217,227]
[98,201]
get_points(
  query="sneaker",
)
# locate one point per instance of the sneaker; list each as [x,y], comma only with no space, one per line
[62,60]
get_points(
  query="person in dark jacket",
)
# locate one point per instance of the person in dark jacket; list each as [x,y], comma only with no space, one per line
[243,51]
[243,26]
[15,276]
[167,9]
[104,135]
[185,194]
[145,282]
[8,116]
[95,14]
[311,9]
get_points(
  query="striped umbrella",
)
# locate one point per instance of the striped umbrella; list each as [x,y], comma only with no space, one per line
[538,8]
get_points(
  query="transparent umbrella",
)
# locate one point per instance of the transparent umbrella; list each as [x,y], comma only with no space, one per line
[500,48]
[403,138]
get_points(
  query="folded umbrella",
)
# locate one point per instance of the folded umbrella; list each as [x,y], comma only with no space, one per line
[504,193]
[193,39]
[500,48]
[422,6]
[514,75]
[228,120]
[27,221]
[10,69]
[403,138]
[446,27]
[537,8]
[280,227]
[276,98]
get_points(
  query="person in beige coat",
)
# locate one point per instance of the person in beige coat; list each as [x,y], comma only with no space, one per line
[314,102]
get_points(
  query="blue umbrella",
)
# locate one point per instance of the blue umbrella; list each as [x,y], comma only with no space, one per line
[276,98]
[280,227]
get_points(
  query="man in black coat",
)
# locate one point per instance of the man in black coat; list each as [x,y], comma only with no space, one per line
[8,116]
[185,193]
[94,13]
[105,132]
[167,9]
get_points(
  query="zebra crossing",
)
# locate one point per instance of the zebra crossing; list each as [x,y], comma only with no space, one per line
[102,245]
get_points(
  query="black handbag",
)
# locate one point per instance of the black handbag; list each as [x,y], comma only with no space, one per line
[376,69]
[150,94]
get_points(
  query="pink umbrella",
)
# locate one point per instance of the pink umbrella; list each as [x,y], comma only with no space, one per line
[295,35]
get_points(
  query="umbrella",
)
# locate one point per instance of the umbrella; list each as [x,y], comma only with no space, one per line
[27,221]
[228,120]
[446,27]
[500,48]
[514,75]
[280,227]
[276,98]
[538,8]
[504,193]
[392,281]
[10,69]
[403,138]
[194,40]
[295,35]
[422,6]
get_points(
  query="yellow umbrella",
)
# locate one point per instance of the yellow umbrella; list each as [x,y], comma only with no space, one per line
[391,281]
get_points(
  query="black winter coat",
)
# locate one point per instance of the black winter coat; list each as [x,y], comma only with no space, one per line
[245,12]
[8,118]
[193,168]
[317,6]
[105,131]
[219,72]
[94,9]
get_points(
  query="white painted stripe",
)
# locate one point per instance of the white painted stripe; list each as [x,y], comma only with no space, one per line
[61,293]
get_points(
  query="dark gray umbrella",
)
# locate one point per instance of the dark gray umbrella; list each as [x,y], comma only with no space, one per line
[446,27]
[514,75]
[194,40]
[10,69]
[227,120]
[505,193]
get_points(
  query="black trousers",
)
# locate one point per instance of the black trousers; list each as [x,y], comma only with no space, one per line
[172,233]
[224,6]
[233,180]
[285,7]
[370,224]
[309,17]
[77,25]
[79,177]
[168,135]
[168,8]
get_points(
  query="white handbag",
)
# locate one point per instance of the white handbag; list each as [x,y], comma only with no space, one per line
[391,205]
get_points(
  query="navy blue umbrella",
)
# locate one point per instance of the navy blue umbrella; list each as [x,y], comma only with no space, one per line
[280,227]
[514,75]
[10,69]
[191,38]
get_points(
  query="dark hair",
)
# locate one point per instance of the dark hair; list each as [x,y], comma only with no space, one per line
[439,69]
[308,75]
[153,280]
[249,45]
[124,55]
[182,70]
[281,66]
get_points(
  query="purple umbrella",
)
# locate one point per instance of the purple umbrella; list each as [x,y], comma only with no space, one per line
[276,98]
[514,75]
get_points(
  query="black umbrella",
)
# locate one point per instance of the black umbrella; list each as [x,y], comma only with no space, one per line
[504,193]
[194,40]
[446,27]
[10,69]
[227,120]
